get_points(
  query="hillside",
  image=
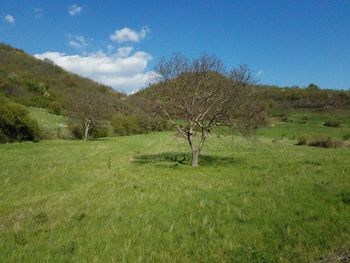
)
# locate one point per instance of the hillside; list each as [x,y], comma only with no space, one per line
[33,82]
[280,99]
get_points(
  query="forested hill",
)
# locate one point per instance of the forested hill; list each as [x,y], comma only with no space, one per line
[33,82]
[311,97]
[282,98]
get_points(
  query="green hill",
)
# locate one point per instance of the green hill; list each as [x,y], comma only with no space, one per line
[33,82]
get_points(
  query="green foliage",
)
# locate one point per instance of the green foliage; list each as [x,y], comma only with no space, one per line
[292,98]
[98,130]
[332,123]
[320,141]
[302,140]
[16,124]
[346,136]
[76,130]
[286,118]
[303,120]
[313,87]
[55,108]
[102,129]
[133,124]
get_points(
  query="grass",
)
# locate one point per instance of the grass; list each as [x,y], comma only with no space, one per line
[52,126]
[314,125]
[136,199]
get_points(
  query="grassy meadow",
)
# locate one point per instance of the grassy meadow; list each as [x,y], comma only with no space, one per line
[52,126]
[308,123]
[136,198]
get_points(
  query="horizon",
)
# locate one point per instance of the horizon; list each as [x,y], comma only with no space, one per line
[285,43]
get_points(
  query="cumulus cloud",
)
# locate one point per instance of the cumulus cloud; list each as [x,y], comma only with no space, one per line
[128,35]
[124,51]
[9,19]
[121,71]
[77,42]
[74,9]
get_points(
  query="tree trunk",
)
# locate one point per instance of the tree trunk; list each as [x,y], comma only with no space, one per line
[86,130]
[86,133]
[195,157]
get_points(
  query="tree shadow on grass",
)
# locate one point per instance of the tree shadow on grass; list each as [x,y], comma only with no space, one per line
[179,158]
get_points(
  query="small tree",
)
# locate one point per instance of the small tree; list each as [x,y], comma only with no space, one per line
[88,108]
[16,123]
[199,95]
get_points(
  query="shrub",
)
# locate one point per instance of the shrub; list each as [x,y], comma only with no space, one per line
[135,124]
[102,129]
[331,123]
[16,124]
[285,118]
[98,130]
[325,142]
[302,140]
[303,120]
[320,141]
[3,138]
[346,136]
[76,130]
[55,108]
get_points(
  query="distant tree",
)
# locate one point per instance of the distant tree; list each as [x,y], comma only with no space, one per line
[88,108]
[198,95]
[313,86]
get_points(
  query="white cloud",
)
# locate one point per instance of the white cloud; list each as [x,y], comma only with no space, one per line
[9,19]
[128,35]
[125,73]
[124,51]
[74,9]
[77,42]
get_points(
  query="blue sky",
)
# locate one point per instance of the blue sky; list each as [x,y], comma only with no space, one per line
[118,42]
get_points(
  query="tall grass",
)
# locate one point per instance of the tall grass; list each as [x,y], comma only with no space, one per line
[136,199]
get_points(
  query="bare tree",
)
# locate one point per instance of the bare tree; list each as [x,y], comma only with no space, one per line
[88,108]
[198,95]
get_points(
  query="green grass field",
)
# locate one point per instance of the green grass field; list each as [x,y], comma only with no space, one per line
[136,199]
[312,127]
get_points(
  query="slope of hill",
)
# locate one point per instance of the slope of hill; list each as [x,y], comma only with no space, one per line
[33,82]
[279,99]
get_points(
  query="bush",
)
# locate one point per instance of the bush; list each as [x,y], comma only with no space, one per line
[286,118]
[98,130]
[302,140]
[102,129]
[16,124]
[346,136]
[135,124]
[55,108]
[320,141]
[331,123]
[325,142]
[76,130]
[303,120]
